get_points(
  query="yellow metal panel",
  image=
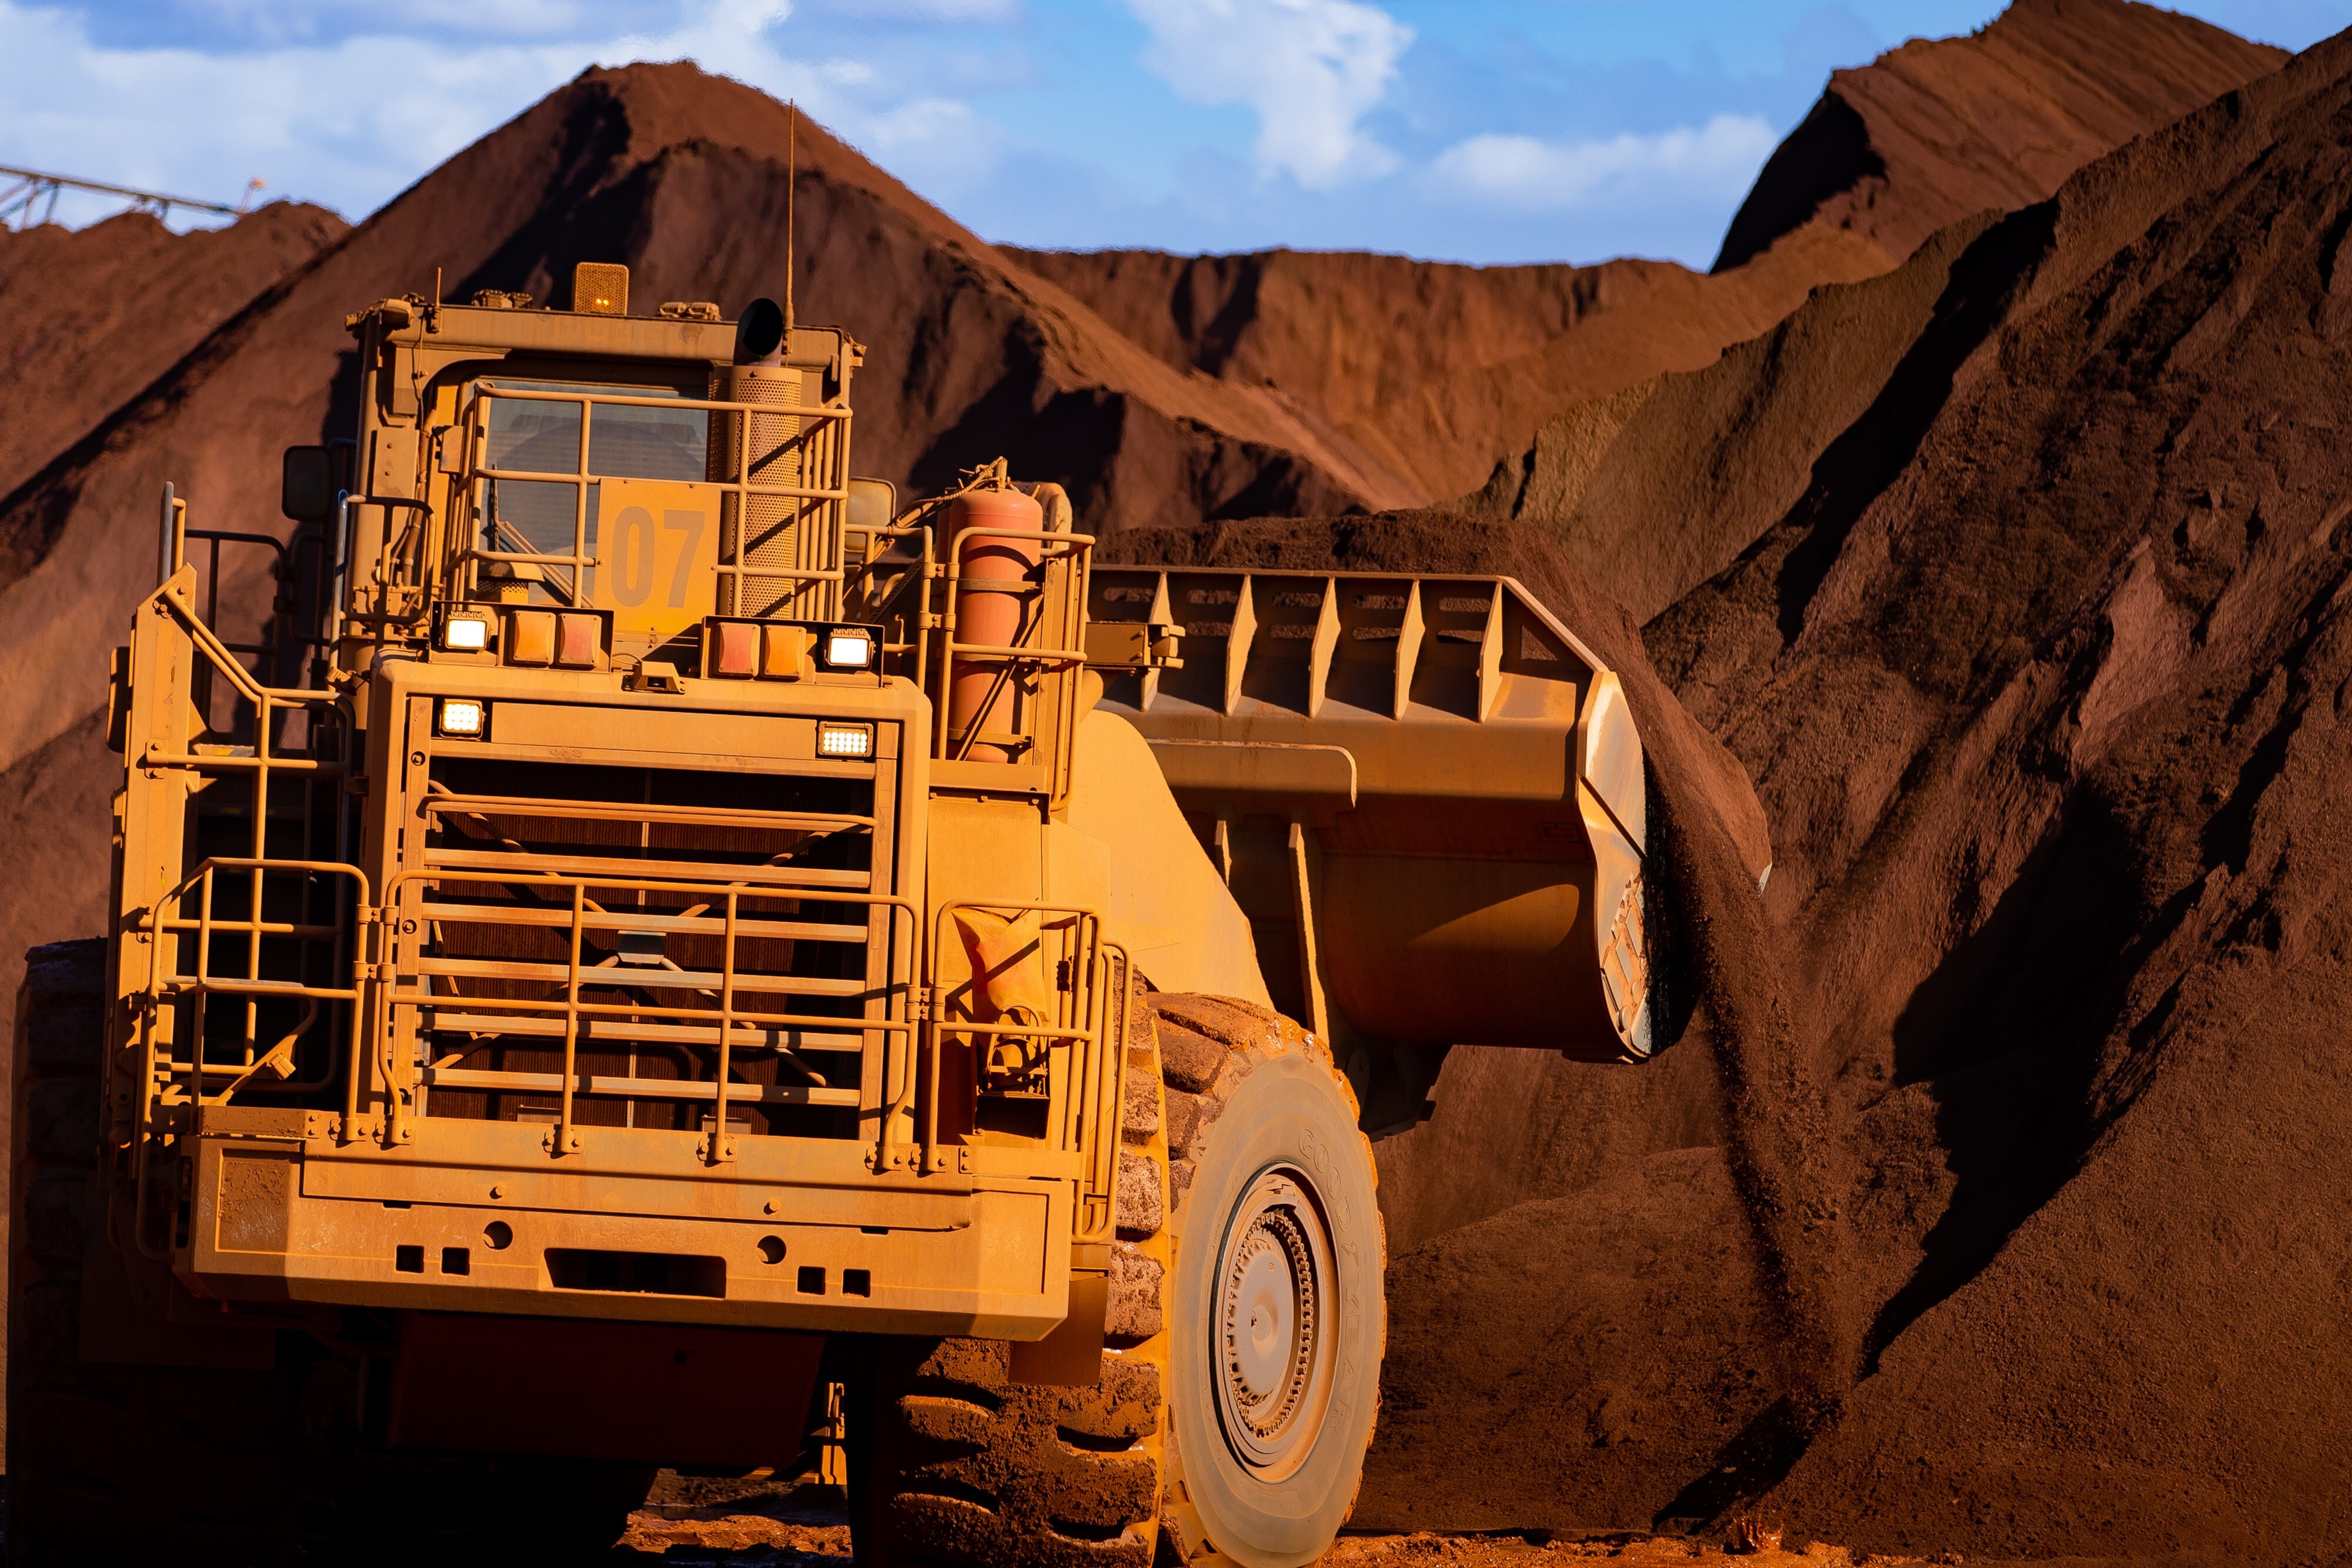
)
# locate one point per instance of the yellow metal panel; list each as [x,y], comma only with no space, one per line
[1420,944]
[588,1192]
[1012,1263]
[1167,905]
[1006,1276]
[1323,774]
[985,851]
[1612,759]
[656,552]
[257,1194]
[653,732]
[1078,869]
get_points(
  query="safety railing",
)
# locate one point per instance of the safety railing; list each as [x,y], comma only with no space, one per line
[396,594]
[823,444]
[891,589]
[173,1071]
[706,1008]
[264,719]
[250,927]
[282,637]
[258,771]
[252,960]
[442,804]
[1104,1092]
[1070,1049]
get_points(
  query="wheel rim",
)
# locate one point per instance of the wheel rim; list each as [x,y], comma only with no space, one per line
[1276,1328]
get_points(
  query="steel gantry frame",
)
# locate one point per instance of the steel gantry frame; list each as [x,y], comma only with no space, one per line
[28,187]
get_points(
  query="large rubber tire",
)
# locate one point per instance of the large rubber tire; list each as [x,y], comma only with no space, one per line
[1276,1302]
[952,1465]
[115,1465]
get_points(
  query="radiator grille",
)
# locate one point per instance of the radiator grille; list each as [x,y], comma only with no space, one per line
[683,896]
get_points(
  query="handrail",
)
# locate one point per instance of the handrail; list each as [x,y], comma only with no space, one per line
[189,910]
[488,388]
[168,542]
[347,523]
[472,474]
[157,926]
[1081,549]
[1108,1100]
[571,975]
[1085,923]
[629,810]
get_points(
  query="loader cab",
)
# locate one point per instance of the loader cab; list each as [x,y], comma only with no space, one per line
[597,463]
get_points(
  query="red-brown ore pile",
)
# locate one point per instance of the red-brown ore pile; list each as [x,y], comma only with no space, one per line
[89,317]
[1928,133]
[2033,639]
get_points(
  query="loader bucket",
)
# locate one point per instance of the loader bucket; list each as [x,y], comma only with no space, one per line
[1425,792]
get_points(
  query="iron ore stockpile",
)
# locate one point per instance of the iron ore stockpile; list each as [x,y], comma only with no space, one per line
[89,319]
[1985,508]
[2030,638]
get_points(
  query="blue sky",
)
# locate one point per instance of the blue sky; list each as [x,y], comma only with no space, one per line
[1486,130]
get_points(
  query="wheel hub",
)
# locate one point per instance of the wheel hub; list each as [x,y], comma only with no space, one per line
[1273,1319]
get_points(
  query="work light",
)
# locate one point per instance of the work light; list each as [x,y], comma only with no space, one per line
[845,740]
[463,718]
[848,648]
[466,632]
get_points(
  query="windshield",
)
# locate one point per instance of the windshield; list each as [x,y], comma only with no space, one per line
[626,443]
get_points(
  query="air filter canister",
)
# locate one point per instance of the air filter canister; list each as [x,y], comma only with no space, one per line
[984,694]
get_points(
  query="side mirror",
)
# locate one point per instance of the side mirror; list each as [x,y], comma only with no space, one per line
[307,493]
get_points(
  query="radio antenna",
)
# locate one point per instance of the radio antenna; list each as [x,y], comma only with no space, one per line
[791,192]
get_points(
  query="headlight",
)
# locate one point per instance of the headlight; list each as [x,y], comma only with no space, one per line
[463,718]
[466,632]
[848,648]
[845,739]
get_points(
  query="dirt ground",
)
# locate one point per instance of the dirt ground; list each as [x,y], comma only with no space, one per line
[762,1522]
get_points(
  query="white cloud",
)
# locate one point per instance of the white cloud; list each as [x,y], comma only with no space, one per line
[938,145]
[1310,69]
[1718,158]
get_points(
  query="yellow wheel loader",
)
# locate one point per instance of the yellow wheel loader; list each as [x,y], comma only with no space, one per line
[660,954]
